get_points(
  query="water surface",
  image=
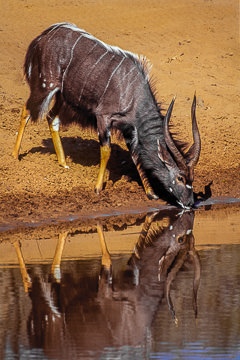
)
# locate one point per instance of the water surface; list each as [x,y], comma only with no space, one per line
[163,285]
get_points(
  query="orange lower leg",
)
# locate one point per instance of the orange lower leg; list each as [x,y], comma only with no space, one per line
[147,187]
[105,155]
[24,120]
[54,129]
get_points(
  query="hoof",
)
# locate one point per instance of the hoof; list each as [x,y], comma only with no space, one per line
[152,196]
[64,165]
[15,155]
[97,191]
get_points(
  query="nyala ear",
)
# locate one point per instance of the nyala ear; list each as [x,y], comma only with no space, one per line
[165,157]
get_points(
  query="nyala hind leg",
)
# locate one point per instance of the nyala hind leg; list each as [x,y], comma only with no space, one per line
[147,187]
[23,122]
[54,124]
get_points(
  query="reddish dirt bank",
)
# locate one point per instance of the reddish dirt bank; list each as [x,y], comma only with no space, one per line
[192,44]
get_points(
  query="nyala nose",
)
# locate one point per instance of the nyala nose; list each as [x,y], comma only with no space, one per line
[191,201]
[187,201]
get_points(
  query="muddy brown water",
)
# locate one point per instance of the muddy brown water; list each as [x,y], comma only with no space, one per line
[161,285]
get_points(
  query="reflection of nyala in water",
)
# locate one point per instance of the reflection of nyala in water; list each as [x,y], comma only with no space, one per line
[90,313]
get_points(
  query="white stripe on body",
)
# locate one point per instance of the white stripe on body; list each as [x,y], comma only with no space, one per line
[54,33]
[114,49]
[127,74]
[127,107]
[128,86]
[110,78]
[55,26]
[97,62]
[126,89]
[72,50]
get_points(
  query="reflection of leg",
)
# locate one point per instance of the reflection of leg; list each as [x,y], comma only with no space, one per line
[105,151]
[147,187]
[23,122]
[106,258]
[25,277]
[197,274]
[55,269]
[54,123]
[105,278]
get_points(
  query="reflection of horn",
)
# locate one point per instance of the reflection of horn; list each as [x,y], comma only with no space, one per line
[168,258]
[196,281]
[171,276]
[180,258]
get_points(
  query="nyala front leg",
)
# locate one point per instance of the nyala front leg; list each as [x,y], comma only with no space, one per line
[147,187]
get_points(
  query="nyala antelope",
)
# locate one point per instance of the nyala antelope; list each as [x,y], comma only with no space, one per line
[94,84]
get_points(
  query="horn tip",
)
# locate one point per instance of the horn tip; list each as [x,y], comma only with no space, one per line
[173,101]
[194,103]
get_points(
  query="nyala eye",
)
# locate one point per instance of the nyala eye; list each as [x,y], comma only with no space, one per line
[180,179]
[180,239]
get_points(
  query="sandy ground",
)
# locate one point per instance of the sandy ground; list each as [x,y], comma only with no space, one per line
[192,45]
